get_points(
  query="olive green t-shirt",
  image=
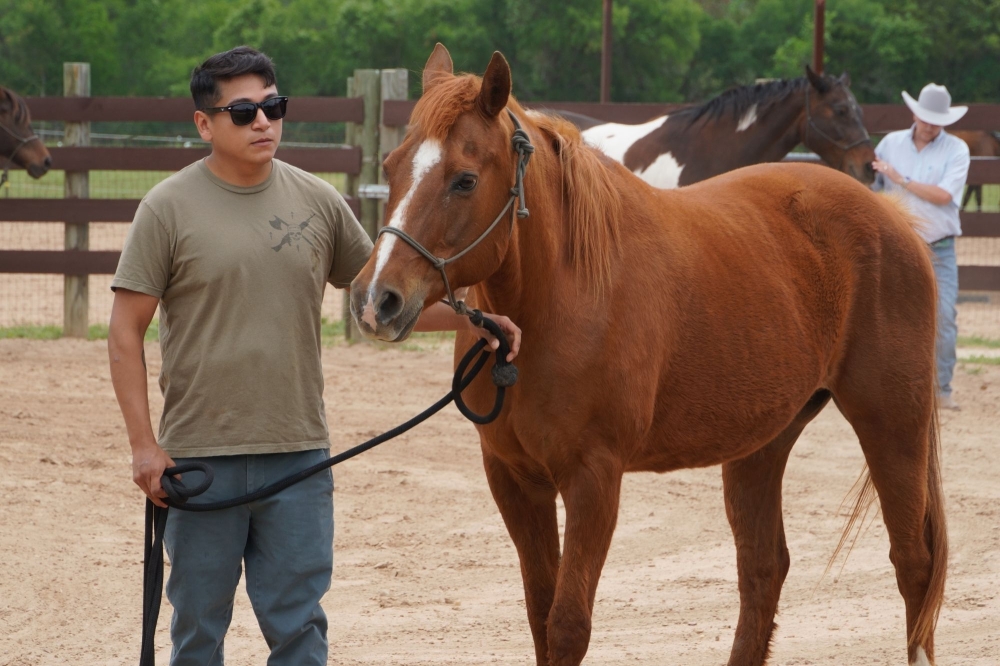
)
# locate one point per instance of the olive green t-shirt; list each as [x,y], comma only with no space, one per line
[240,274]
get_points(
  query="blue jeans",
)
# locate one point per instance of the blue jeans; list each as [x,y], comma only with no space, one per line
[946,272]
[286,542]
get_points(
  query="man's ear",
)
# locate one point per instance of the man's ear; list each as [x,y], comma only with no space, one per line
[202,124]
[495,92]
[438,66]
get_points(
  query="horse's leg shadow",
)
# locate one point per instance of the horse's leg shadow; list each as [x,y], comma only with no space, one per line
[528,507]
[752,487]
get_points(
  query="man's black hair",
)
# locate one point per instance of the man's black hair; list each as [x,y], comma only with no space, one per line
[225,66]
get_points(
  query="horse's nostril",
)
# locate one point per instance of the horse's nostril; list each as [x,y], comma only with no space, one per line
[47,162]
[389,305]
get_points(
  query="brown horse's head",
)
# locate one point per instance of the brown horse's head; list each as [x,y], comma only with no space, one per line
[18,143]
[448,181]
[834,127]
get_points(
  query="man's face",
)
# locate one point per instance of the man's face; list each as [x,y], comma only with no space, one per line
[252,144]
[925,131]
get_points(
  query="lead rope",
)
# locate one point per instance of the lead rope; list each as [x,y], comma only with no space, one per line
[504,375]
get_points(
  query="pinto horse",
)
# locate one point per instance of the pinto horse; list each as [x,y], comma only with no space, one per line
[665,329]
[743,126]
[18,143]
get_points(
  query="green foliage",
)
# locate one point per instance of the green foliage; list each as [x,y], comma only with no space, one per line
[664,50]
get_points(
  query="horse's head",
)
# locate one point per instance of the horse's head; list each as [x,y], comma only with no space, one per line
[834,127]
[448,181]
[18,143]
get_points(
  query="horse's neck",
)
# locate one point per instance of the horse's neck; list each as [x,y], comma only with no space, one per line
[525,283]
[772,136]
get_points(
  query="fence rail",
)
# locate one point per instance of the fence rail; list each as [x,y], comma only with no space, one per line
[180,109]
[391,115]
[879,118]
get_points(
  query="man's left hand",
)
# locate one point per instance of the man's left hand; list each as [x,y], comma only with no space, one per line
[509,329]
[889,171]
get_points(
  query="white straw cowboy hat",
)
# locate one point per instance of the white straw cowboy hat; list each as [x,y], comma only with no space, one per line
[934,106]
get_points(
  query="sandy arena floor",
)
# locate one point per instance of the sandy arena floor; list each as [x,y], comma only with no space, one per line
[425,572]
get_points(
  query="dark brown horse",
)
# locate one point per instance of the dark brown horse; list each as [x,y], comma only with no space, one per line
[18,143]
[664,330]
[740,127]
[981,144]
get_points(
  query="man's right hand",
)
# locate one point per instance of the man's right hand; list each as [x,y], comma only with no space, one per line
[148,463]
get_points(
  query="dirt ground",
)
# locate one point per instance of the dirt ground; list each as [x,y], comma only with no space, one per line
[425,572]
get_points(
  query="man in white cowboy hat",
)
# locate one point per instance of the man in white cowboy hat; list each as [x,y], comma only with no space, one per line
[928,167]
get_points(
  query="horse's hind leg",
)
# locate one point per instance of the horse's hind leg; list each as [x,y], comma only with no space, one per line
[752,488]
[898,434]
[528,507]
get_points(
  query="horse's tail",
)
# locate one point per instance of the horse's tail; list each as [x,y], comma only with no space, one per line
[936,536]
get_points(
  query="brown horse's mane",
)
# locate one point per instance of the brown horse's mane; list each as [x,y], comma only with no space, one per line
[591,203]
[739,100]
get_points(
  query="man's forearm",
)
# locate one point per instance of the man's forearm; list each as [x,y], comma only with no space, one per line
[931,193]
[128,376]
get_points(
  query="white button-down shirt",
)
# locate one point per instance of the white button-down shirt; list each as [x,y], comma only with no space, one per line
[943,162]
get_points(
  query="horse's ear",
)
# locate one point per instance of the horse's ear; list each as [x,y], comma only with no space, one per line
[438,66]
[496,86]
[816,80]
[845,78]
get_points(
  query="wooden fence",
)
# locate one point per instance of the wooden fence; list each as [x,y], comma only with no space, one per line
[376,112]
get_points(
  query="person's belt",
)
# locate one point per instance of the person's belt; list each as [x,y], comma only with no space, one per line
[943,242]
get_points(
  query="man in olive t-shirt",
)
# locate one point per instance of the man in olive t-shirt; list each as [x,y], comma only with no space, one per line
[236,251]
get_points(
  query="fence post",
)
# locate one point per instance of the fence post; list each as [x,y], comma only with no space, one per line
[76,300]
[365,83]
[395,86]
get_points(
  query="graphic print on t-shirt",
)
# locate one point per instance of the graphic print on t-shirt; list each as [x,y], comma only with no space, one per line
[294,232]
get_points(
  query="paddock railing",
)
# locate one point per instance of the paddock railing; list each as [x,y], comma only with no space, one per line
[377,113]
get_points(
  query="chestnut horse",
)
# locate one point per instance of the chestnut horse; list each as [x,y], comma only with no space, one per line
[743,126]
[665,329]
[18,143]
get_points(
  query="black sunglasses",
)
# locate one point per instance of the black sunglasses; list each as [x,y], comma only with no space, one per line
[245,112]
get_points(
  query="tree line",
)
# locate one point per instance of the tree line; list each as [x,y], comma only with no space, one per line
[664,50]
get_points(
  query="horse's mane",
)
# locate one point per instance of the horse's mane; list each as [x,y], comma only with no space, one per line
[591,203]
[591,200]
[20,114]
[738,101]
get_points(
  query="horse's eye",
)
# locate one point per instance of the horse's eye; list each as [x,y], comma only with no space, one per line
[465,182]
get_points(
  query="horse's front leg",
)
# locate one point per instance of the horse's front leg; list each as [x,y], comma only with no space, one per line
[527,503]
[590,491]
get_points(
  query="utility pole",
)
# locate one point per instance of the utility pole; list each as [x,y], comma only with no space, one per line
[818,31]
[606,54]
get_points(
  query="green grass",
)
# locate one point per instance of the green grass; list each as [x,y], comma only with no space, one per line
[981,360]
[974,341]
[95,332]
[31,332]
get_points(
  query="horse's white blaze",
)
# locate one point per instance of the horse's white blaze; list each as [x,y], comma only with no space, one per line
[748,119]
[921,659]
[664,172]
[428,154]
[614,139]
